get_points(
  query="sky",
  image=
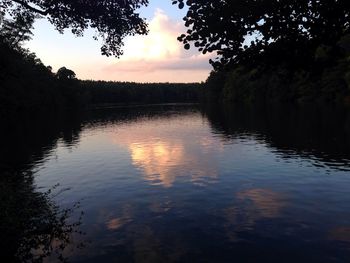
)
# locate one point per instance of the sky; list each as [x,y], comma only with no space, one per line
[157,57]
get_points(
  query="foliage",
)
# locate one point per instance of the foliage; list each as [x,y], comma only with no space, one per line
[246,31]
[272,51]
[213,91]
[32,225]
[28,85]
[112,20]
[102,92]
[15,32]
[25,82]
[326,82]
[65,74]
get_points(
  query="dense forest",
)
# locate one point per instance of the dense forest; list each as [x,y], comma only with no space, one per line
[325,80]
[109,92]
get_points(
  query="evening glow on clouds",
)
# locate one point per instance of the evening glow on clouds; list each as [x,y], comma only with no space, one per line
[156,57]
[159,56]
[158,44]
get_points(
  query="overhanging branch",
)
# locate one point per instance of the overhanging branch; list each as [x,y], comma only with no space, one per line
[31,8]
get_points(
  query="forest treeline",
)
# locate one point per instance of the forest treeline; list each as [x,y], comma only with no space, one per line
[110,92]
[28,85]
[325,79]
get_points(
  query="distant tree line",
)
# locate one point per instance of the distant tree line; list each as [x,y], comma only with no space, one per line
[109,92]
[28,85]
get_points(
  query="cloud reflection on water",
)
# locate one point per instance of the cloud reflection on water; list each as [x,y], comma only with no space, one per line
[158,160]
[253,205]
[265,203]
[163,156]
[340,234]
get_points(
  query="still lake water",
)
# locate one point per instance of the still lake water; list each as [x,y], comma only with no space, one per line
[180,184]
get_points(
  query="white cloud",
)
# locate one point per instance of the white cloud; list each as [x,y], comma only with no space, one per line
[161,53]
[160,43]
[156,57]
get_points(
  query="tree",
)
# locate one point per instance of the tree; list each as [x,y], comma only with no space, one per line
[247,30]
[14,32]
[36,228]
[113,20]
[65,74]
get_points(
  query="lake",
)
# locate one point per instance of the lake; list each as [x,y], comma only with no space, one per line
[179,183]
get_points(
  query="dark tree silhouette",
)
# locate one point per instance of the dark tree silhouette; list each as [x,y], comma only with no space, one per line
[33,226]
[112,19]
[15,31]
[65,74]
[245,30]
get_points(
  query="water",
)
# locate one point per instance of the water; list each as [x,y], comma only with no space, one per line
[180,184]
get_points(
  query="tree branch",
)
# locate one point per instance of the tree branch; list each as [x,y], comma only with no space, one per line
[31,8]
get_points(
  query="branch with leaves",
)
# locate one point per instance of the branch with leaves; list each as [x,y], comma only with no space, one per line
[112,20]
[242,31]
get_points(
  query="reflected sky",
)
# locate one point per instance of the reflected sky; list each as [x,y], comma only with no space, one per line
[251,206]
[263,202]
[341,234]
[169,186]
[162,155]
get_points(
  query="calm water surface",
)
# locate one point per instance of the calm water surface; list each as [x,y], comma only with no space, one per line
[177,184]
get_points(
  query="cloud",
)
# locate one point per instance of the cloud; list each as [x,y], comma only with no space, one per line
[160,43]
[190,63]
[156,57]
[160,53]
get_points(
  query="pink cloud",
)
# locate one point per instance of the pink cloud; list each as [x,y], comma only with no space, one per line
[198,63]
[159,53]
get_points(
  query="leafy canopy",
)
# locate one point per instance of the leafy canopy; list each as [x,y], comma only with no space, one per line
[246,30]
[65,74]
[113,20]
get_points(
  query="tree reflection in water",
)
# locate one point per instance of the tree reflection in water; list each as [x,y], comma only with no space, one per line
[33,226]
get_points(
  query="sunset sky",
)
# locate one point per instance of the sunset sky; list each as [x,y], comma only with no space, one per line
[157,57]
